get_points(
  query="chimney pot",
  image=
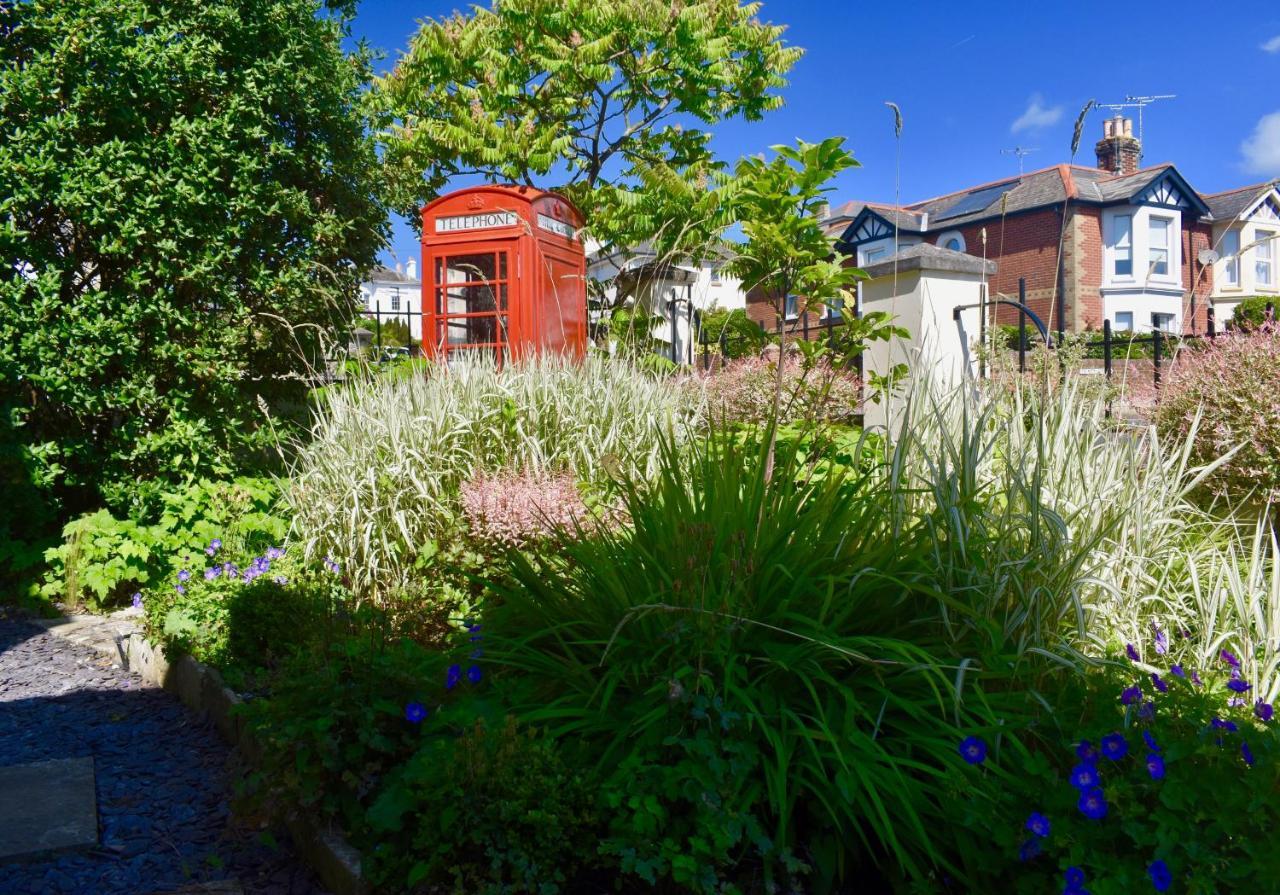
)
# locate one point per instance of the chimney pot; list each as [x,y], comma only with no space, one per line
[411,269]
[1119,152]
[1128,127]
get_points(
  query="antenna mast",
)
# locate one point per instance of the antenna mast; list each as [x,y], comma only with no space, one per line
[1139,103]
[1021,153]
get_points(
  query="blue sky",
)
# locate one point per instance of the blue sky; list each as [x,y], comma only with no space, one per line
[971,84]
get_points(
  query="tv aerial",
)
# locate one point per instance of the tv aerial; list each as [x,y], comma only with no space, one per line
[1021,153]
[1139,103]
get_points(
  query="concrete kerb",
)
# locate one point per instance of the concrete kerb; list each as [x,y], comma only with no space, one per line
[202,690]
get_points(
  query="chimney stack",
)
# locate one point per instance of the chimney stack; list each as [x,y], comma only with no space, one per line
[411,269]
[1119,151]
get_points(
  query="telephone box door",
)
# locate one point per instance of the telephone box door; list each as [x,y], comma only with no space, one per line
[469,299]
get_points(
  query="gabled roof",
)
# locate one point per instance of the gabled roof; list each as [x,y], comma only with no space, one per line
[1161,184]
[382,274]
[1232,204]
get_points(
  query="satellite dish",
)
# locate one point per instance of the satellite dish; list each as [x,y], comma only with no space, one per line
[1207,256]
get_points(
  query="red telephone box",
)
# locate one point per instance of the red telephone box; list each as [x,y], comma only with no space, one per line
[503,270]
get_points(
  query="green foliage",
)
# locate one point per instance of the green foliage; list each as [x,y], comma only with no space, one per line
[492,810]
[742,336]
[631,330]
[1251,312]
[596,91]
[756,667]
[104,559]
[1202,817]
[395,332]
[188,198]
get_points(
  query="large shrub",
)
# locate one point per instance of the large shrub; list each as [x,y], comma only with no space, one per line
[1227,397]
[188,195]
[377,485]
[742,391]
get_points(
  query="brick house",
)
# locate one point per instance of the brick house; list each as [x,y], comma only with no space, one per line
[1132,240]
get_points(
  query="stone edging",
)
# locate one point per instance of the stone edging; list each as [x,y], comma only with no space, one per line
[201,689]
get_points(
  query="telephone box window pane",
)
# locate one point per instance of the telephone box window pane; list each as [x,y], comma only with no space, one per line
[502,265]
[470,268]
[470,300]
[472,330]
[502,296]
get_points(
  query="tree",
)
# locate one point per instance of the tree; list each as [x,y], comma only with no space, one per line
[580,95]
[787,255]
[187,196]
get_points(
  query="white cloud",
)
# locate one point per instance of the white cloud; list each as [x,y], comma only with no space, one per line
[1037,115]
[1261,150]
[1272,46]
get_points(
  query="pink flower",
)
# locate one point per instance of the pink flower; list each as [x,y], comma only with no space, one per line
[514,509]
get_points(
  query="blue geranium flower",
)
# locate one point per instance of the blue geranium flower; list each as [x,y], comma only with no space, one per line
[415,712]
[1131,651]
[1247,754]
[1162,641]
[1228,726]
[1161,878]
[1159,683]
[1085,776]
[1228,657]
[137,601]
[1150,741]
[1114,746]
[1147,710]
[214,546]
[452,677]
[1155,765]
[474,674]
[184,576]
[1093,804]
[1264,711]
[974,750]
[1029,849]
[1177,671]
[1130,695]
[1086,751]
[212,573]
[1239,686]
[1038,824]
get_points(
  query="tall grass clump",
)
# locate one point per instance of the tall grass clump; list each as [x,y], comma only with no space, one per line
[376,486]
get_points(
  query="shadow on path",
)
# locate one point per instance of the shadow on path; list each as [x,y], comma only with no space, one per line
[163,778]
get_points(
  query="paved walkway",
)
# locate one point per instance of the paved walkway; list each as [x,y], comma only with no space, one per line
[163,779]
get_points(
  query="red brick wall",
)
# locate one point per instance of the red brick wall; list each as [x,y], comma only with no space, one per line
[1196,237]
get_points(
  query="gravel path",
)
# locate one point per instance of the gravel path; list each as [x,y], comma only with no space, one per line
[163,778]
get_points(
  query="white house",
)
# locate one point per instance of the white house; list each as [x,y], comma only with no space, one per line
[678,293]
[395,294]
[1246,235]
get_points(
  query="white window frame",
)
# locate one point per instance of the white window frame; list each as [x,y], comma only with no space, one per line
[944,238]
[395,301]
[791,307]
[831,307]
[715,276]
[1172,318]
[1114,248]
[1170,261]
[1231,259]
[1124,322]
[1264,259]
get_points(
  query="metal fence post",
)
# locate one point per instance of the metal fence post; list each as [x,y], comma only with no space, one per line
[377,324]
[1212,317]
[1022,325]
[1106,349]
[1157,343]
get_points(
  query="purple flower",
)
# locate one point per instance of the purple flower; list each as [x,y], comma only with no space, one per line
[1155,765]
[1230,659]
[1246,753]
[1177,671]
[973,749]
[1114,746]
[1084,776]
[281,580]
[415,712]
[1150,741]
[1131,651]
[1093,804]
[1130,695]
[1086,751]
[275,552]
[1239,686]
[1162,641]
[1159,683]
[1161,878]
[474,674]
[452,677]
[1195,679]
[1029,849]
[212,573]
[137,601]
[214,546]
[184,576]
[1264,711]
[1038,824]
[1228,726]
[179,588]
[1147,711]
[472,629]
[1074,877]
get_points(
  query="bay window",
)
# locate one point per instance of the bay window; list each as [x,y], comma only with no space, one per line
[1123,251]
[1231,261]
[1158,246]
[1264,267]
